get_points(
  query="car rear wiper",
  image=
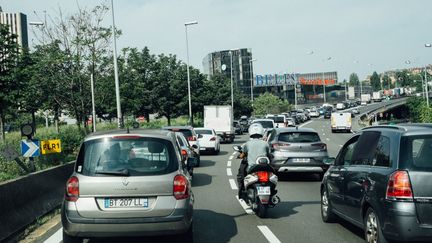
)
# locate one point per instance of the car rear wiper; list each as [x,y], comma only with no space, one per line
[123,172]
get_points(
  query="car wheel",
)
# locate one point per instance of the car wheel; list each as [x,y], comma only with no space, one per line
[327,214]
[373,232]
[71,239]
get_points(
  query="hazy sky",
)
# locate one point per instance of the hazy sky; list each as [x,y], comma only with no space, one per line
[359,35]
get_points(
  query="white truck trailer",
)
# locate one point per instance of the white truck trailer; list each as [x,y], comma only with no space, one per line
[221,119]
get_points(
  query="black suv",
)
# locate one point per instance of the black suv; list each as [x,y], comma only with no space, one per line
[381,181]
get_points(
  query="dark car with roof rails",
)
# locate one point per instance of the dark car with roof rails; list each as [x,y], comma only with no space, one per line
[381,182]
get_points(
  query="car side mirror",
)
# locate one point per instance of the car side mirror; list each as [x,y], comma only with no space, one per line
[195,146]
[200,136]
[329,161]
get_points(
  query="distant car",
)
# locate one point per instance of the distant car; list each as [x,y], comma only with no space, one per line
[327,114]
[340,106]
[380,181]
[187,150]
[314,113]
[279,120]
[291,122]
[190,135]
[297,150]
[355,111]
[244,123]
[128,183]
[237,128]
[266,123]
[209,140]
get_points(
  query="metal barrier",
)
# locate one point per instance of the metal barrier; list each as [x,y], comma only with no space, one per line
[25,199]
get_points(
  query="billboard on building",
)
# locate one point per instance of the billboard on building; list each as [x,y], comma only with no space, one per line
[326,78]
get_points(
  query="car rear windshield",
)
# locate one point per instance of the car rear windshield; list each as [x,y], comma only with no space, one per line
[277,119]
[299,137]
[265,124]
[204,132]
[416,152]
[132,156]
[186,132]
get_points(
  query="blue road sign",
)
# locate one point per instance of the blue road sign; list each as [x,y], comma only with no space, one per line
[30,148]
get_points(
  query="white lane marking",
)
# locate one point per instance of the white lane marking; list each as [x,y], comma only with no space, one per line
[246,208]
[231,157]
[233,184]
[323,134]
[56,237]
[229,163]
[328,139]
[268,234]
[304,124]
[340,145]
[234,153]
[229,172]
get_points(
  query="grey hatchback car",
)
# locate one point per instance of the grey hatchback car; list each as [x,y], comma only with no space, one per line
[128,184]
[298,150]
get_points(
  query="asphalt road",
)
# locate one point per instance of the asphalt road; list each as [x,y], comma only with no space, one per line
[219,216]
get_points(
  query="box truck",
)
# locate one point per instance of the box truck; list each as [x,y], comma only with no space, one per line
[341,121]
[220,118]
[376,96]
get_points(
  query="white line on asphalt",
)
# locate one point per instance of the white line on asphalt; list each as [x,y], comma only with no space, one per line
[56,237]
[231,157]
[229,163]
[328,139]
[229,172]
[340,145]
[304,124]
[233,184]
[246,208]
[234,153]
[323,134]
[268,234]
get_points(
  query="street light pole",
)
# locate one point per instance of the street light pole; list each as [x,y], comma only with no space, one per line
[116,78]
[251,75]
[232,85]
[428,45]
[93,103]
[187,68]
[324,91]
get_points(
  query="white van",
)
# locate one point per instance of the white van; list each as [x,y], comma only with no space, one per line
[341,121]
[279,120]
[340,106]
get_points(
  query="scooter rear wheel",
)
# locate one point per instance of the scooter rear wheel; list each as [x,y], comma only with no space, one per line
[261,210]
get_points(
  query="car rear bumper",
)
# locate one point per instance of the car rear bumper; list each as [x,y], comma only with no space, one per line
[400,223]
[176,223]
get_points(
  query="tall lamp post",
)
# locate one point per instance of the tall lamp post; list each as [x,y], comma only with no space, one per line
[427,45]
[187,68]
[324,91]
[251,75]
[232,82]
[116,78]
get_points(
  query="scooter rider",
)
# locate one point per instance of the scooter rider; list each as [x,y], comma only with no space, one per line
[254,148]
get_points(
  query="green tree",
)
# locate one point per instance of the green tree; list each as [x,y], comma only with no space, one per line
[9,52]
[386,82]
[269,104]
[375,81]
[354,80]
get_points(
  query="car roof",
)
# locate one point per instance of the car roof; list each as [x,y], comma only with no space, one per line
[203,128]
[178,127]
[295,129]
[264,119]
[158,133]
[406,129]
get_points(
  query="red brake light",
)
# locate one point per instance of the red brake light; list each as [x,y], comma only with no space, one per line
[277,145]
[192,138]
[213,139]
[180,187]
[399,186]
[72,189]
[263,176]
[184,152]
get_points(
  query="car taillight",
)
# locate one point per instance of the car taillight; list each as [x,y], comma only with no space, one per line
[192,138]
[263,176]
[180,187]
[213,139]
[72,189]
[184,152]
[321,146]
[277,145]
[399,186]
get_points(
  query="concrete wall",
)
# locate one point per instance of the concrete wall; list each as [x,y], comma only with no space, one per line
[24,200]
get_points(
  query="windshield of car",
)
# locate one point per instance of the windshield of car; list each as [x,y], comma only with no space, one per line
[278,119]
[299,137]
[132,156]
[416,152]
[265,124]
[203,132]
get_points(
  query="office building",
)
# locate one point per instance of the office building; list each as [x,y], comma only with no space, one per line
[220,63]
[17,23]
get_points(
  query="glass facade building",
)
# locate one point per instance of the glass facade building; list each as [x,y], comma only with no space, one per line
[17,23]
[220,63]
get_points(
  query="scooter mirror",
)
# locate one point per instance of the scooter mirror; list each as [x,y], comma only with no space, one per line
[237,148]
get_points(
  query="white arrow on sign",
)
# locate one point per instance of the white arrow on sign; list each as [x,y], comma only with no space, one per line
[32,149]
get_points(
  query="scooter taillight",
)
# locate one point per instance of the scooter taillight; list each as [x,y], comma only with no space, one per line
[263,176]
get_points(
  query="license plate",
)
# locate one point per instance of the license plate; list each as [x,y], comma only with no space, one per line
[202,149]
[263,190]
[301,160]
[126,202]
